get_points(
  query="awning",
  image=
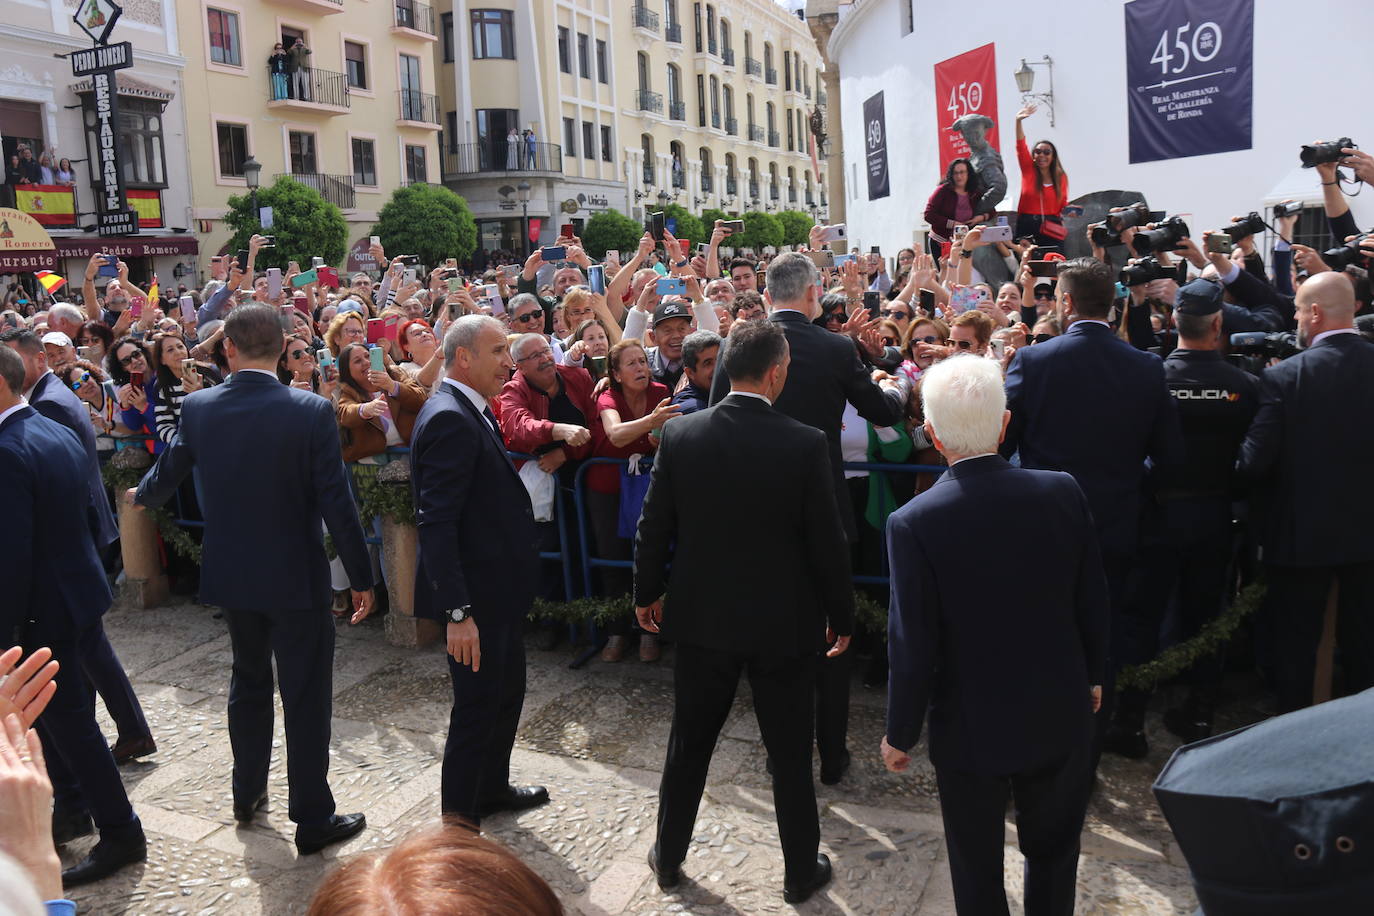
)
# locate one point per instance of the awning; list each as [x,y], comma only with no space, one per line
[131,86]
[137,247]
[1299,184]
[24,244]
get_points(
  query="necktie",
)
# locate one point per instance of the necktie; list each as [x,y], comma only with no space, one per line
[495,427]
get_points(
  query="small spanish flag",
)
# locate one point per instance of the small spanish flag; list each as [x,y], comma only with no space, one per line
[51,281]
[152,290]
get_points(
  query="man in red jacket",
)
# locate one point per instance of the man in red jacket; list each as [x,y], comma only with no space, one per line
[547,410]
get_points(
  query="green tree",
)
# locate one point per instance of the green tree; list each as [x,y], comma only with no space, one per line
[796,226]
[760,230]
[610,230]
[427,220]
[708,220]
[688,226]
[304,224]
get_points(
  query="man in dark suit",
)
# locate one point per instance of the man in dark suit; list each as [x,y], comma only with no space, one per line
[478,567]
[1091,404]
[767,618]
[1011,680]
[55,594]
[268,469]
[828,373]
[1309,449]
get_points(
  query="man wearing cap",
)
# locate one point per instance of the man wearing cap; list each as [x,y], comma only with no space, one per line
[1186,525]
[672,323]
[57,346]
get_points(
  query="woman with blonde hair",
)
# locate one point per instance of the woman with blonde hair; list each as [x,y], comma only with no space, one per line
[347,328]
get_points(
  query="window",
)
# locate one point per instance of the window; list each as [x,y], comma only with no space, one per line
[701,100]
[138,137]
[696,17]
[224,37]
[364,162]
[446,27]
[584,57]
[451,129]
[908,17]
[302,146]
[493,34]
[588,140]
[602,72]
[233,148]
[417,171]
[569,137]
[355,59]
[715,102]
[606,149]
[564,53]
[787,70]
[791,134]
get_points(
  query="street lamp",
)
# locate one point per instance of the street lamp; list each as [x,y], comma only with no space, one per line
[523,190]
[1025,82]
[252,176]
[663,200]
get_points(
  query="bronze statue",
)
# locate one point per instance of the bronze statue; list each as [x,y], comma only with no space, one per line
[987,162]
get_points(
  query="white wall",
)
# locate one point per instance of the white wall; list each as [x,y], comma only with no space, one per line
[1307,67]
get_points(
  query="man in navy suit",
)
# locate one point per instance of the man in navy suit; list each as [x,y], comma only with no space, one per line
[55,594]
[1309,450]
[1091,404]
[478,567]
[268,468]
[1011,677]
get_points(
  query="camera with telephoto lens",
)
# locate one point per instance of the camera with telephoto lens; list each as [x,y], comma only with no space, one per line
[1137,214]
[1348,255]
[1252,350]
[1163,237]
[1314,154]
[1246,226]
[1147,269]
[1103,236]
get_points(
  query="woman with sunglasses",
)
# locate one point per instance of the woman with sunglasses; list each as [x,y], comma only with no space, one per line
[297,367]
[1044,189]
[924,344]
[422,356]
[127,366]
[96,337]
[376,410]
[102,402]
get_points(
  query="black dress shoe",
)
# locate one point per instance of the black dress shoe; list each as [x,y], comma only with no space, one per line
[68,825]
[831,776]
[133,748]
[338,828]
[515,798]
[797,892]
[1124,743]
[244,814]
[668,875]
[107,857]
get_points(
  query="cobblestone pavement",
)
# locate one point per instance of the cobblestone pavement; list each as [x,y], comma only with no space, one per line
[596,738]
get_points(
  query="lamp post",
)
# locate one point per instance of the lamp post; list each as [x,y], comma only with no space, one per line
[252,176]
[1025,82]
[523,190]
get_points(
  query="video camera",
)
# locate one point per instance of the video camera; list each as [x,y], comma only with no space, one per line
[1252,350]
[1314,154]
[1347,255]
[1150,268]
[1164,237]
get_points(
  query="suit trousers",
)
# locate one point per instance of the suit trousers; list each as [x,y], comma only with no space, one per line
[1299,595]
[302,641]
[704,683]
[482,725]
[1050,802]
[108,678]
[80,765]
[1117,568]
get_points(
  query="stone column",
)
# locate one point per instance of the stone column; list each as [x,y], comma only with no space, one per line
[400,547]
[145,581]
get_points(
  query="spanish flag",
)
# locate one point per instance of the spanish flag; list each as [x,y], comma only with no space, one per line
[53,206]
[51,281]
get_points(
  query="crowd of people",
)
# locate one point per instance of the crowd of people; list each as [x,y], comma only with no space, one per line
[1114,371]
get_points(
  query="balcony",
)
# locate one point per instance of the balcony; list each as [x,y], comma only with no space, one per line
[774,138]
[770,76]
[711,47]
[645,18]
[649,174]
[678,180]
[753,67]
[732,127]
[415,20]
[756,133]
[649,101]
[731,185]
[318,7]
[705,182]
[728,56]
[715,120]
[495,155]
[677,111]
[417,109]
[753,190]
[673,33]
[337,189]
[309,90]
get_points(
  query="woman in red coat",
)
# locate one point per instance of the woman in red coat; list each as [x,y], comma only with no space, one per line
[1044,189]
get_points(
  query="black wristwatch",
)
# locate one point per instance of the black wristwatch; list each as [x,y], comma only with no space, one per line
[683,263]
[966,252]
[459,614]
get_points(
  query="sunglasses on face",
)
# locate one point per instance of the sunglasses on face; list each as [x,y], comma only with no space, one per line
[963,344]
[297,354]
[928,339]
[1045,296]
[530,315]
[1041,338]
[889,341]
[80,380]
[1042,152]
[127,360]
[896,314]
[835,316]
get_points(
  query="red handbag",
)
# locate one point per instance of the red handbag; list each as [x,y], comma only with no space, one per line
[1051,226]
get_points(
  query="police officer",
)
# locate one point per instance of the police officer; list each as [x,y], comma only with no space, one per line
[1186,538]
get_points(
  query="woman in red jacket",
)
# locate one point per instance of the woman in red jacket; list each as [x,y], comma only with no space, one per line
[952,205]
[1044,189]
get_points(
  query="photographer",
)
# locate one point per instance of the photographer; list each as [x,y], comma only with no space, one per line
[1252,304]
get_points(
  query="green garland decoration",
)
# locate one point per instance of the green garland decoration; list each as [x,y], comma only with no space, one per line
[381,498]
[173,535]
[1211,638]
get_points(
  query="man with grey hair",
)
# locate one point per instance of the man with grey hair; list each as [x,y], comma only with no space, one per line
[1028,670]
[827,373]
[66,319]
[478,566]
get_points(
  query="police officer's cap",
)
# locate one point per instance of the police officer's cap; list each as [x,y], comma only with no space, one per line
[1198,297]
[1278,818]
